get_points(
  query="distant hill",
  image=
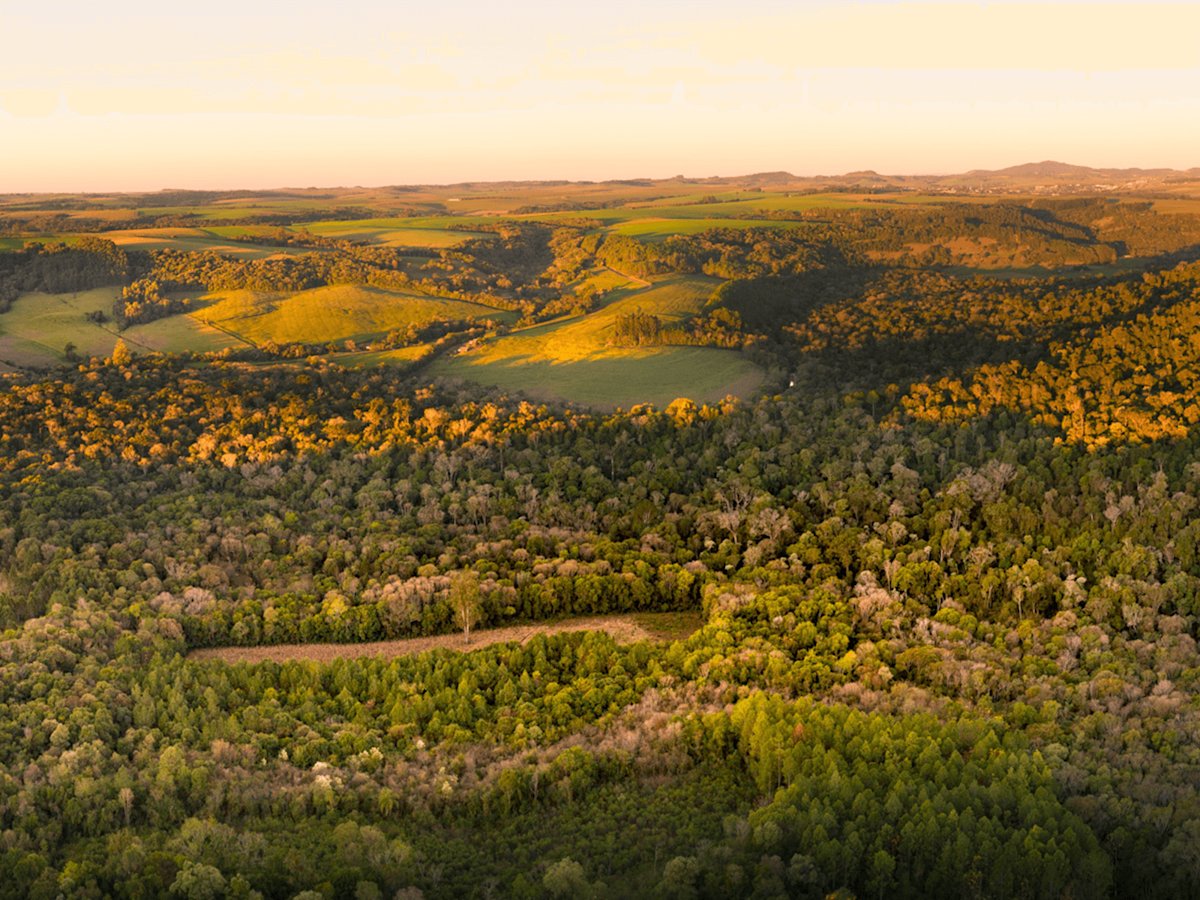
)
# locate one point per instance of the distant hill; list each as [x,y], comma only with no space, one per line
[1046,169]
[1051,176]
[1045,177]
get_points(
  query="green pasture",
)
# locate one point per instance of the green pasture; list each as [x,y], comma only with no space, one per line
[571,359]
[186,239]
[581,337]
[381,232]
[37,329]
[43,324]
[740,204]
[657,229]
[434,223]
[703,374]
[697,196]
[603,280]
[179,334]
[333,313]
[402,356]
[210,212]
[239,231]
[193,239]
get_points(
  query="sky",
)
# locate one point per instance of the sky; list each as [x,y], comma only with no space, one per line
[138,95]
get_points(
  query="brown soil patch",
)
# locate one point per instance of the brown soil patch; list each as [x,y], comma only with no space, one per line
[623,629]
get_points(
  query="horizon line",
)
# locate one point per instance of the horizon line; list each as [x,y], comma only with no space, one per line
[1194,170]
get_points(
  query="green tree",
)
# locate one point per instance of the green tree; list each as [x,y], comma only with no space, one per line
[566,879]
[465,601]
[198,881]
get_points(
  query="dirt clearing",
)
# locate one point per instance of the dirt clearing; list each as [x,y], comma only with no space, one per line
[623,629]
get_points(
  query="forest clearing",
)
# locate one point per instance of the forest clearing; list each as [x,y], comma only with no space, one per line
[627,629]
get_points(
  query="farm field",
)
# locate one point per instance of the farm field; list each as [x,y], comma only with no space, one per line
[332,313]
[749,204]
[36,331]
[657,229]
[195,239]
[216,240]
[702,374]
[407,232]
[725,207]
[582,337]
[401,356]
[572,359]
[178,334]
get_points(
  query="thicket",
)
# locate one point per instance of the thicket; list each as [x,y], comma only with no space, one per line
[1008,623]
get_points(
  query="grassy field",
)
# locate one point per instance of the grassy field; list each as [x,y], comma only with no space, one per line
[1179,206]
[423,223]
[702,374]
[657,229]
[37,329]
[658,219]
[187,239]
[723,206]
[576,338]
[178,334]
[606,280]
[401,356]
[571,359]
[217,212]
[754,203]
[196,239]
[334,313]
[43,324]
[427,231]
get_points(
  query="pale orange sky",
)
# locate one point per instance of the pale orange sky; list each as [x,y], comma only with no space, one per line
[133,95]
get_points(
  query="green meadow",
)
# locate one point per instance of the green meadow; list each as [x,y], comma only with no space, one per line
[149,239]
[572,359]
[36,331]
[394,232]
[702,374]
[580,337]
[333,313]
[657,229]
[194,239]
[401,356]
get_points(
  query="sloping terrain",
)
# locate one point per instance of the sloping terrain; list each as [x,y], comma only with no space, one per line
[333,313]
[574,358]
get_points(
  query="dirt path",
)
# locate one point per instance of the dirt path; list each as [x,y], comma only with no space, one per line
[623,629]
[634,278]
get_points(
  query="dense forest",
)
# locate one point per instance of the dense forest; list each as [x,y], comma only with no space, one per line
[946,564]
